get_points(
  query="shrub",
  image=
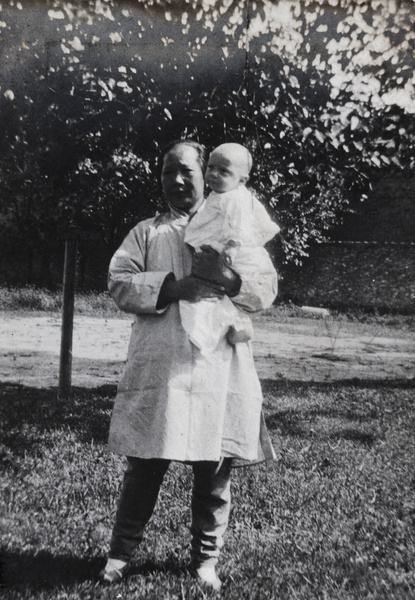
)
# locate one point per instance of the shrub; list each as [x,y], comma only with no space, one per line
[40,299]
[29,298]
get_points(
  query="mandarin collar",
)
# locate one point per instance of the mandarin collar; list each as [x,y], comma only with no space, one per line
[178,214]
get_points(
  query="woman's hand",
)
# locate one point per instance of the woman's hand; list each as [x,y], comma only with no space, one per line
[189,288]
[207,264]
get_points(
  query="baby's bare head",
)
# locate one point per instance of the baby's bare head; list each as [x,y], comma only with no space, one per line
[229,165]
[237,154]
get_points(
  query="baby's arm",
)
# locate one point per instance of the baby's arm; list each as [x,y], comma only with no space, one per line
[229,252]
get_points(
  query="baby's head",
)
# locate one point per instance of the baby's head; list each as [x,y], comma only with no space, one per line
[228,166]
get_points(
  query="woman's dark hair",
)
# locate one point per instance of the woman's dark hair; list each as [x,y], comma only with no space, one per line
[200,149]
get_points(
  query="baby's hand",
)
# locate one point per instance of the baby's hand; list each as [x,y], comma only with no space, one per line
[228,254]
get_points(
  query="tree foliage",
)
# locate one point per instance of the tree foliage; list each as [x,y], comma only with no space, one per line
[321,92]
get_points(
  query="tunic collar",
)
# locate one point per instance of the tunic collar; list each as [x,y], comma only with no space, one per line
[178,214]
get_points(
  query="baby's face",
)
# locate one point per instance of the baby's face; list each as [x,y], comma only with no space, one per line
[223,174]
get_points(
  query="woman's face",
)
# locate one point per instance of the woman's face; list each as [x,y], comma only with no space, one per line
[182,177]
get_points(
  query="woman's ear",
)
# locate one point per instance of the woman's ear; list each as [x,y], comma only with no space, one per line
[244,179]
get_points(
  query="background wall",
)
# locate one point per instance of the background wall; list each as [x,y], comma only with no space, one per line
[362,275]
[371,261]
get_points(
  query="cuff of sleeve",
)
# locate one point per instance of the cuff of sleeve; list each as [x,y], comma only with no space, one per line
[168,277]
[154,284]
[140,294]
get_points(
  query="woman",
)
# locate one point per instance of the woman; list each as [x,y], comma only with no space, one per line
[172,402]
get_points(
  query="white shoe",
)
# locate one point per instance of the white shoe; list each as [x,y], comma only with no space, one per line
[113,571]
[208,577]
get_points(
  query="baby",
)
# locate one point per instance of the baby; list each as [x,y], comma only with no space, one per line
[235,224]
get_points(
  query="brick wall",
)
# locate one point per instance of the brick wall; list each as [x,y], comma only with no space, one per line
[371,261]
[388,215]
[365,275]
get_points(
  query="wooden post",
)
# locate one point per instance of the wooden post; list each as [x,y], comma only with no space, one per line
[69,275]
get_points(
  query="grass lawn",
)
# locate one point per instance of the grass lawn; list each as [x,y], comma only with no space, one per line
[332,519]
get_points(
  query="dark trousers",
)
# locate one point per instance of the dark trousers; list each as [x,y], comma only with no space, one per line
[210,507]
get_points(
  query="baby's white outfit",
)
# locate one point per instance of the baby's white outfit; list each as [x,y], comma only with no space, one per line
[236,225]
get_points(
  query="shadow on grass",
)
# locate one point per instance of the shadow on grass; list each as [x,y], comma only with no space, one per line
[26,412]
[44,571]
[305,424]
[353,410]
[286,385]
[349,410]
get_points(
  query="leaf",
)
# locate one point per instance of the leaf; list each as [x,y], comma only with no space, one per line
[115,37]
[306,132]
[294,81]
[319,136]
[56,14]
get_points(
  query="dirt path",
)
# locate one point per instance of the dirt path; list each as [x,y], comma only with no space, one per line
[304,349]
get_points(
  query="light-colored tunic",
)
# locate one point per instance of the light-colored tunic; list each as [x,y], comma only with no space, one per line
[172,401]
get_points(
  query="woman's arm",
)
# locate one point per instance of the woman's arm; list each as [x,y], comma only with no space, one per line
[133,289]
[259,288]
[254,291]
[189,288]
[208,265]
[136,291]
